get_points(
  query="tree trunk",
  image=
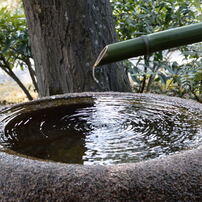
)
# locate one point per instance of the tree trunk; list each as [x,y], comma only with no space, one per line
[17,80]
[66,38]
[8,70]
[31,73]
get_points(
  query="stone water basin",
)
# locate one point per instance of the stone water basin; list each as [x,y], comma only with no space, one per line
[139,143]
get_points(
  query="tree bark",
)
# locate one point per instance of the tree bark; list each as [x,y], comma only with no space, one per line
[31,73]
[66,38]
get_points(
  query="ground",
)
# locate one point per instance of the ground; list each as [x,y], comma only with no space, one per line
[10,93]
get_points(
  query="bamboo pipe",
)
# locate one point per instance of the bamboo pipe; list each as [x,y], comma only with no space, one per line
[148,44]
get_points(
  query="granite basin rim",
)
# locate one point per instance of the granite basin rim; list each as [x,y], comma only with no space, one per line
[175,177]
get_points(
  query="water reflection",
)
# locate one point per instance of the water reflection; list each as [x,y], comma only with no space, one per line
[127,131]
[112,130]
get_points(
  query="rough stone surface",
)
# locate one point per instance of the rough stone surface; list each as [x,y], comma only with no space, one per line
[173,178]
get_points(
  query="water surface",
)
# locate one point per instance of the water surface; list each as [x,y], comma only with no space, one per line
[112,130]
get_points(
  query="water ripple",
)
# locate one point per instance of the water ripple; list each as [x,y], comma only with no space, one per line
[112,130]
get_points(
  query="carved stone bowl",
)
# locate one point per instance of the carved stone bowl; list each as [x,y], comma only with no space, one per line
[176,177]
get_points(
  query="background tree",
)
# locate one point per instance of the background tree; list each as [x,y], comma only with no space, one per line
[14,47]
[66,37]
[157,73]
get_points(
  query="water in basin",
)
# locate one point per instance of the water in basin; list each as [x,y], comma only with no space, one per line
[110,130]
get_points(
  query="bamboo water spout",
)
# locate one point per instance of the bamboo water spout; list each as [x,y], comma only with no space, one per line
[150,43]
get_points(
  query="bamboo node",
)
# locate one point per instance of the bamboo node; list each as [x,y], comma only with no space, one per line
[146,42]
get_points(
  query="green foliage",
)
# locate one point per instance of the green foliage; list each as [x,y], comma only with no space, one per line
[135,18]
[13,38]
[14,46]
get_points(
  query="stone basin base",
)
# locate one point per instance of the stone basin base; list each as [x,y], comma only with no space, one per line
[176,177]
